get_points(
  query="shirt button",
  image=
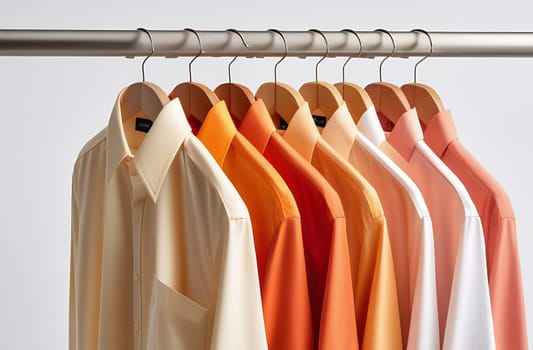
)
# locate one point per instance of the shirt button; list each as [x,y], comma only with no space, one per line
[136,327]
[136,278]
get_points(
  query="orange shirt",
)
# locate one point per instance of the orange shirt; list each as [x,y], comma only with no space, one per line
[373,281]
[323,227]
[497,218]
[276,227]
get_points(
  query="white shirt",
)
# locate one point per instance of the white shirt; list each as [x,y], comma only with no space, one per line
[462,283]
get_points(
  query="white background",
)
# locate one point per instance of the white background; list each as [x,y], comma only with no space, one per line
[51,106]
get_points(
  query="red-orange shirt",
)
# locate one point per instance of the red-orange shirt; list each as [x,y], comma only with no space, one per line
[276,227]
[497,218]
[323,226]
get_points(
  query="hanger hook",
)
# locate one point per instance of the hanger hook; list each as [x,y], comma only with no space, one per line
[200,51]
[234,58]
[277,63]
[428,55]
[387,57]
[325,55]
[152,48]
[349,58]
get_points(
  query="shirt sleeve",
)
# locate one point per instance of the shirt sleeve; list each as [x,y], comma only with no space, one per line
[286,305]
[73,338]
[380,306]
[238,318]
[469,323]
[338,328]
[424,325]
[505,284]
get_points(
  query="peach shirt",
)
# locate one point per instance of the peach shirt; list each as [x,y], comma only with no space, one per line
[465,319]
[409,225]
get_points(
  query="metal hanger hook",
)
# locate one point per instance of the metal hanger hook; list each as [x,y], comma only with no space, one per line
[282,57]
[387,57]
[349,58]
[151,52]
[277,63]
[325,55]
[235,58]
[425,57]
[200,51]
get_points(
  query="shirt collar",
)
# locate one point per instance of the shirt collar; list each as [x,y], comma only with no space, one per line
[369,126]
[406,134]
[257,125]
[340,131]
[217,131]
[440,132]
[302,133]
[153,158]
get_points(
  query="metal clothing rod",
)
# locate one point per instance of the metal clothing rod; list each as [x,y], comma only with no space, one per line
[175,43]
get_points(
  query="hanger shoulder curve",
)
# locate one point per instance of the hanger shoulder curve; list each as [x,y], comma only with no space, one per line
[388,99]
[288,101]
[143,97]
[196,99]
[323,98]
[357,99]
[425,99]
[237,96]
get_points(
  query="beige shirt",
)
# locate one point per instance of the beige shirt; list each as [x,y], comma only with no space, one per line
[162,252]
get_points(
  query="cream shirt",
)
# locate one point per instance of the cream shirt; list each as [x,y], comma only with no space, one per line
[162,252]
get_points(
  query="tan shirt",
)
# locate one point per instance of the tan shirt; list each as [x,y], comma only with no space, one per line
[162,252]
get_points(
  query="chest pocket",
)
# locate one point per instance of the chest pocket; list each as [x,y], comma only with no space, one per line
[175,321]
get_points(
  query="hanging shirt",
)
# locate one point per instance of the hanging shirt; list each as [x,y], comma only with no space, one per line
[374,286]
[323,227]
[465,319]
[497,217]
[162,253]
[409,227]
[276,227]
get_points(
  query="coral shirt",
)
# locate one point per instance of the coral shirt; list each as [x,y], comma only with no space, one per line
[497,217]
[409,225]
[376,303]
[323,227]
[465,318]
[276,227]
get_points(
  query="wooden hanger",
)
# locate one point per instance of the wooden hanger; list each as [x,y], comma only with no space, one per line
[355,97]
[143,97]
[196,99]
[425,99]
[388,98]
[323,98]
[281,100]
[421,96]
[237,96]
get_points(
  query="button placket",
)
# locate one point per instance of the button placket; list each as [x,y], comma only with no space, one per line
[137,212]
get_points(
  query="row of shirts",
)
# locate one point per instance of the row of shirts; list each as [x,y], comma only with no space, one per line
[232,234]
